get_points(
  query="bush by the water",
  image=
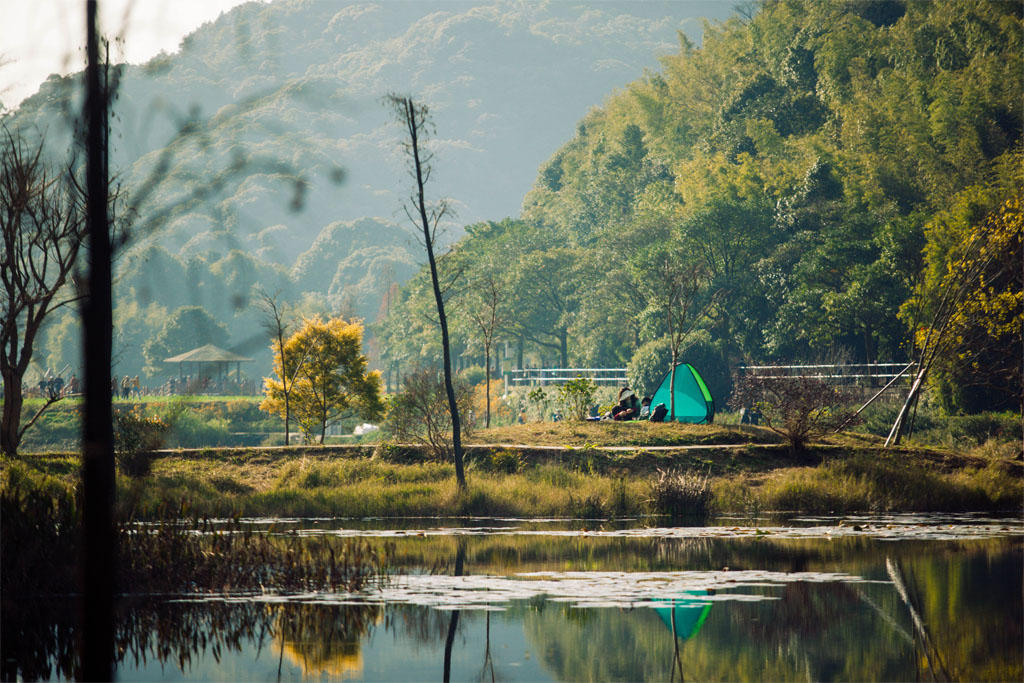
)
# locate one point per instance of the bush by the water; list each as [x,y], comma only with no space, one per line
[506,461]
[680,494]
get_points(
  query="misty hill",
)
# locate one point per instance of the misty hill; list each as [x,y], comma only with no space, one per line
[264,138]
[293,89]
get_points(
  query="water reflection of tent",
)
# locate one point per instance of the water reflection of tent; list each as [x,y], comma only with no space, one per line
[693,400]
[690,614]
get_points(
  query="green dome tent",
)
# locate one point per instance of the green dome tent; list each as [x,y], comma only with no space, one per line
[693,400]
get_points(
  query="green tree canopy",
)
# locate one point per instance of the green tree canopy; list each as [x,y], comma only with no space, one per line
[187,328]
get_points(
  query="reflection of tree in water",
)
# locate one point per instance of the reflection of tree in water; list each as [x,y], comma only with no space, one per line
[325,639]
[505,554]
[802,609]
[599,644]
[417,625]
[318,638]
[42,634]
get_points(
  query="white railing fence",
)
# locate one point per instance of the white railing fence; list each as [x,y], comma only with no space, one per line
[545,376]
[859,374]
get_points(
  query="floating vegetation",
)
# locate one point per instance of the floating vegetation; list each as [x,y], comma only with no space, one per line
[889,527]
[625,590]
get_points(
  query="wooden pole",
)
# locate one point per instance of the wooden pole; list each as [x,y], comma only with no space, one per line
[872,399]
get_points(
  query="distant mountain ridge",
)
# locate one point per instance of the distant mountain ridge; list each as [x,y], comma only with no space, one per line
[301,81]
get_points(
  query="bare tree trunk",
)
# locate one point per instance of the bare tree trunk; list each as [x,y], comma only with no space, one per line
[674,341]
[896,433]
[672,388]
[487,380]
[414,117]
[287,416]
[13,401]
[97,429]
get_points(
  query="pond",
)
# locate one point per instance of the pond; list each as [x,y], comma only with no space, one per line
[859,598]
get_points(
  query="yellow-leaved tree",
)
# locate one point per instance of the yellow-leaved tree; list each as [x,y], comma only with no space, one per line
[973,292]
[331,380]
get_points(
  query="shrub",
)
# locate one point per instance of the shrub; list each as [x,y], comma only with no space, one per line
[540,401]
[419,413]
[879,418]
[975,430]
[575,397]
[680,494]
[189,429]
[797,408]
[135,439]
[505,461]
[472,375]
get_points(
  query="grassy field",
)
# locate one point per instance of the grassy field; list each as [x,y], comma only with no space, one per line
[560,473]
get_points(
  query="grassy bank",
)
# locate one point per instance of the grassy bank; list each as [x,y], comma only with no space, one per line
[850,475]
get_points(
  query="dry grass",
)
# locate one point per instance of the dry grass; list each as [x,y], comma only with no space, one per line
[874,484]
[578,481]
[579,434]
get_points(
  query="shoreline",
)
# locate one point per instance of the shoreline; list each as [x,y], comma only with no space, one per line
[543,481]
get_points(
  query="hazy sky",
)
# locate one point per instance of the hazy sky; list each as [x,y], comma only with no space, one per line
[42,37]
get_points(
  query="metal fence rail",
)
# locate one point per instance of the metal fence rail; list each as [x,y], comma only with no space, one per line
[543,376]
[860,374]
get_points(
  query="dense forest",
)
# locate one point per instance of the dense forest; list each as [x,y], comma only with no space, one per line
[260,155]
[812,174]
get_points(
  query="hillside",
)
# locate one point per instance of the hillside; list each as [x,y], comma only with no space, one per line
[802,187]
[243,149]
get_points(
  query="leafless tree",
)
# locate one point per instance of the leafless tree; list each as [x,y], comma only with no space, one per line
[796,408]
[278,325]
[487,312]
[418,414]
[672,285]
[42,218]
[415,118]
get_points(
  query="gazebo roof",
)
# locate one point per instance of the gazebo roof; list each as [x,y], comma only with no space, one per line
[207,354]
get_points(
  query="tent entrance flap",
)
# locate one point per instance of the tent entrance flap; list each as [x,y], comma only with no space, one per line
[693,400]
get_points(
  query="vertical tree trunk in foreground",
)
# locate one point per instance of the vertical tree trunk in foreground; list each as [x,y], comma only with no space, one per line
[99,547]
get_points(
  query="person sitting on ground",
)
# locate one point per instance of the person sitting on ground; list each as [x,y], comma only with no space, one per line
[629,403]
[645,407]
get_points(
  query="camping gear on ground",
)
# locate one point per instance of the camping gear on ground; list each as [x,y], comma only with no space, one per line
[693,400]
[659,413]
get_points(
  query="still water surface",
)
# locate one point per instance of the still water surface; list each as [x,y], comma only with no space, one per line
[881,598]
